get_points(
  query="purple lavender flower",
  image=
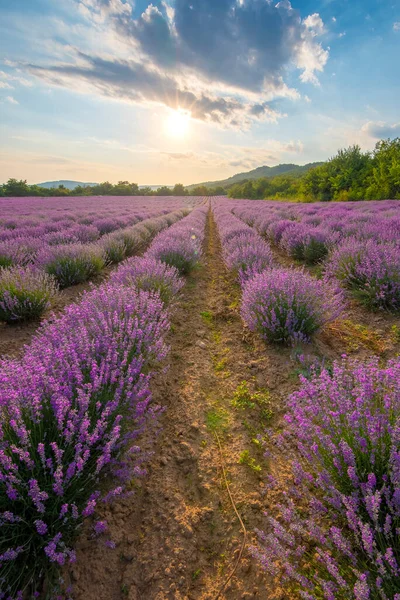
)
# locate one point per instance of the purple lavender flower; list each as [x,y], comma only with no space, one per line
[25,293]
[287,306]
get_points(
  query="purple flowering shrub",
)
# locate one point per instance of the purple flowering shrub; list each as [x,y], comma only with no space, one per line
[73,263]
[113,247]
[248,258]
[370,270]
[244,251]
[181,245]
[288,306]
[75,401]
[18,251]
[337,536]
[305,243]
[25,293]
[149,274]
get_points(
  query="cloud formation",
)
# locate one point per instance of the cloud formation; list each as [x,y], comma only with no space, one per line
[380,129]
[224,60]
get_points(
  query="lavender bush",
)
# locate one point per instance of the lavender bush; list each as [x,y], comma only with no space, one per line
[181,245]
[150,274]
[288,306]
[67,410]
[247,257]
[337,536]
[72,264]
[305,243]
[370,270]
[25,293]
[113,247]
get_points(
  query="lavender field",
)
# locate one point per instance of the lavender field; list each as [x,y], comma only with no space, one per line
[214,414]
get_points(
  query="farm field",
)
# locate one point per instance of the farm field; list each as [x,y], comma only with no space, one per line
[199,399]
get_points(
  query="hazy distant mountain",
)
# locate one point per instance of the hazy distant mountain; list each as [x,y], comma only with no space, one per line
[65,182]
[287,169]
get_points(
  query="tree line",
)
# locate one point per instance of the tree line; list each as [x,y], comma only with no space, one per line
[350,175]
[15,187]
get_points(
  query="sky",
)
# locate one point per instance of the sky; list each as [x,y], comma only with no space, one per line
[191,90]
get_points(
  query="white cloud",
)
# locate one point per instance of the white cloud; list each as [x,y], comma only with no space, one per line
[11,100]
[229,74]
[15,78]
[381,129]
[315,24]
[396,26]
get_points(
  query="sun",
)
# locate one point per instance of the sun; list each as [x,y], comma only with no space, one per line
[177,123]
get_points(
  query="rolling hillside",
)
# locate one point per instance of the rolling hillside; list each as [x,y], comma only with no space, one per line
[65,182]
[265,171]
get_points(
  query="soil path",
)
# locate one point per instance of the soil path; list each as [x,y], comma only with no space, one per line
[178,536]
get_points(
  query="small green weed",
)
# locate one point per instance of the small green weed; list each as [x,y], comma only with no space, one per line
[207,316]
[246,459]
[244,399]
[196,574]
[124,589]
[216,419]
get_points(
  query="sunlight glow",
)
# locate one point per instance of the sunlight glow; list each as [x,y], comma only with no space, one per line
[177,123]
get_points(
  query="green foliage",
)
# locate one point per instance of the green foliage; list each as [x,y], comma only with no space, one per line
[246,459]
[14,188]
[246,400]
[350,175]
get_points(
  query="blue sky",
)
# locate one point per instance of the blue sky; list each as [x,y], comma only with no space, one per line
[191,90]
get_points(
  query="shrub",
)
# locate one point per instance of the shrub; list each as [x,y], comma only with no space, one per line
[25,293]
[337,534]
[305,243]
[247,256]
[149,274]
[72,264]
[19,251]
[288,306]
[370,270]
[113,247]
[179,246]
[75,401]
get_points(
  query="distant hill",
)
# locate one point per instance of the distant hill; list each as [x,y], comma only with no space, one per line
[65,182]
[287,169]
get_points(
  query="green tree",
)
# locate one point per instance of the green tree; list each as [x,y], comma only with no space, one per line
[179,190]
[384,181]
[15,187]
[163,191]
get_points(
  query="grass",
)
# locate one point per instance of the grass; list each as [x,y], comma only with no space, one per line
[217,419]
[354,336]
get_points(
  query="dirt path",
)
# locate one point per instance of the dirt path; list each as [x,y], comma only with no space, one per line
[178,536]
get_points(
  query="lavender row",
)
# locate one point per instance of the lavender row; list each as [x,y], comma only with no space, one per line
[357,244]
[337,533]
[72,409]
[26,292]
[282,305]
[19,217]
